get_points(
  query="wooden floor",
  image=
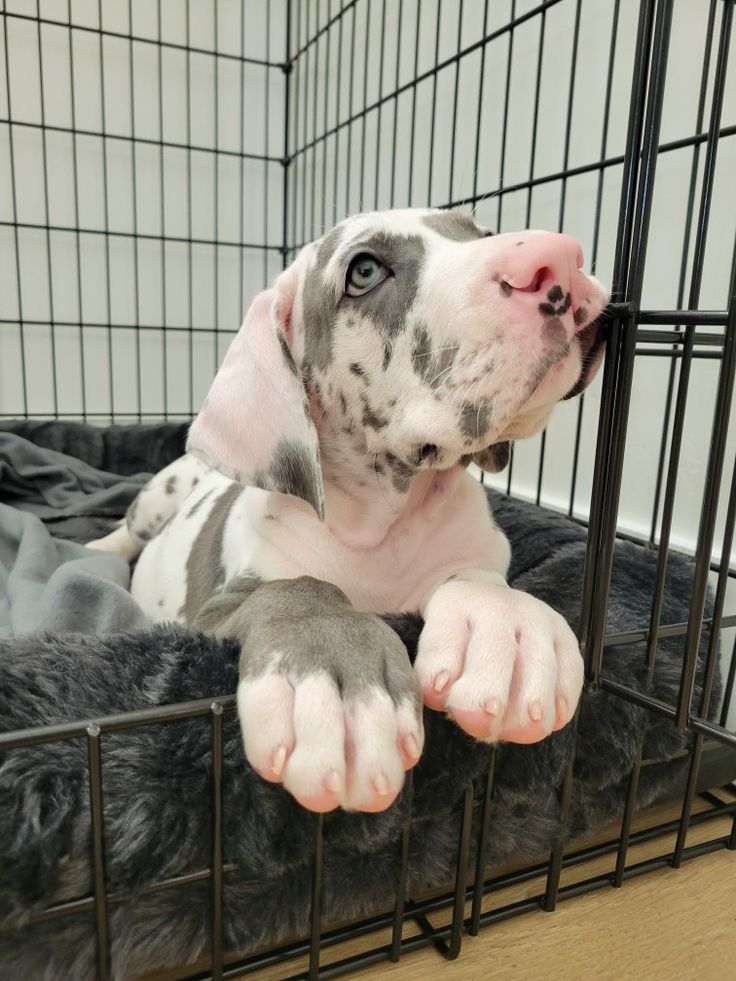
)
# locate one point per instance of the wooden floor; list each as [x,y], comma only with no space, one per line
[671,925]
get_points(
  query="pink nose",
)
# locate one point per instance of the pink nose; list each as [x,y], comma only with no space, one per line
[542,272]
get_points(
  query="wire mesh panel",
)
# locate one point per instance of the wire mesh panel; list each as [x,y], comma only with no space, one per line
[140,201]
[160,162]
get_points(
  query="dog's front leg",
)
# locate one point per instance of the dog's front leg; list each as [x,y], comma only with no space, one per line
[328,702]
[503,664]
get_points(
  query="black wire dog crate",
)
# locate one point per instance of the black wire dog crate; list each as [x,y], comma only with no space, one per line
[161,160]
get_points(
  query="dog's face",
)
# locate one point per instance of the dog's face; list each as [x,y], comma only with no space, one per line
[422,341]
[431,339]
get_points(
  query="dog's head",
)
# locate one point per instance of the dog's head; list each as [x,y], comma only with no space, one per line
[401,341]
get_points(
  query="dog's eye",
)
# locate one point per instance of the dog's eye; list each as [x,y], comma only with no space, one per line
[364,272]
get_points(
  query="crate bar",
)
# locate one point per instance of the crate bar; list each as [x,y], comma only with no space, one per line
[563,200]
[162,217]
[668,630]
[410,198]
[532,159]
[454,101]
[479,107]
[434,100]
[392,197]
[400,906]
[216,864]
[46,211]
[304,96]
[117,722]
[98,850]
[317,883]
[683,263]
[711,662]
[557,854]
[216,202]
[501,179]
[313,231]
[676,446]
[266,144]
[327,93]
[452,950]
[708,516]
[106,214]
[351,97]
[362,115]
[15,226]
[134,176]
[338,96]
[146,140]
[86,28]
[376,182]
[596,237]
[482,847]
[190,283]
[75,186]
[111,233]
[285,160]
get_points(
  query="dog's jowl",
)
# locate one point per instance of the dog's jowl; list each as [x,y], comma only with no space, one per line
[326,481]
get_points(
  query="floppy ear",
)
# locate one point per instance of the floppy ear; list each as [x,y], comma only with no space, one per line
[494,458]
[255,426]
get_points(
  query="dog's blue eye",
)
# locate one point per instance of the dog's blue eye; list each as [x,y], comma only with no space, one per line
[364,272]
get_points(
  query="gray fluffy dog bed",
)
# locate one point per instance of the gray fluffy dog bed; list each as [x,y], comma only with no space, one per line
[157,783]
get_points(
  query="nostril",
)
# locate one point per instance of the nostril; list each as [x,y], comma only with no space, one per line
[539,277]
[429,450]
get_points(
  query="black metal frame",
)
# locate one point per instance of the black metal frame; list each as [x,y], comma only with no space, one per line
[635,333]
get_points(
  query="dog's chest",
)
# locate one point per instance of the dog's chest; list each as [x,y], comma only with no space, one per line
[221,533]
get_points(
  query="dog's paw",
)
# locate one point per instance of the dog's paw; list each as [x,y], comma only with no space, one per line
[501,663]
[328,702]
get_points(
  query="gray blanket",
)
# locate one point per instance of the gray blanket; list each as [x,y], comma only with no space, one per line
[49,584]
[157,779]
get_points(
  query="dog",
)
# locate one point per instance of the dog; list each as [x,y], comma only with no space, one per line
[326,481]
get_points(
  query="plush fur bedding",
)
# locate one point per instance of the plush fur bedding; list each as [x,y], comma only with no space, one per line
[157,783]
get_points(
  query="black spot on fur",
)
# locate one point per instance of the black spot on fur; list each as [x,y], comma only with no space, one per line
[386,355]
[171,484]
[554,295]
[371,417]
[343,402]
[357,369]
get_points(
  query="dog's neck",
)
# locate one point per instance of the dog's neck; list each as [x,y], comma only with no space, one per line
[363,504]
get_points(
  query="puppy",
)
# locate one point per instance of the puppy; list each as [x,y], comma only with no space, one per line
[326,481]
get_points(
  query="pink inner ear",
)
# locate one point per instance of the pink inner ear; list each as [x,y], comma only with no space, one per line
[257,401]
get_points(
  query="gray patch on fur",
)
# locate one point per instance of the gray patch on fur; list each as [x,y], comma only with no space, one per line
[455,225]
[171,484]
[199,502]
[388,304]
[204,571]
[293,470]
[371,417]
[474,420]
[315,629]
[494,458]
[319,303]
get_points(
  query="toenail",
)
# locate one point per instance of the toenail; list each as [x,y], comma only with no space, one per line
[381,784]
[440,682]
[535,711]
[333,782]
[411,746]
[279,761]
[493,706]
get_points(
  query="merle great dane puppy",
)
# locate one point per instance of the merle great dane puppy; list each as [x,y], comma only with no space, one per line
[326,481]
